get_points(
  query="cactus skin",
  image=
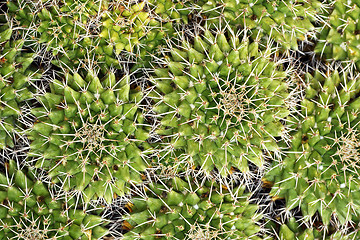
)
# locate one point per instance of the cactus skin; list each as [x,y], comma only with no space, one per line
[88,133]
[220,102]
[16,77]
[185,209]
[322,166]
[29,211]
[284,21]
[339,38]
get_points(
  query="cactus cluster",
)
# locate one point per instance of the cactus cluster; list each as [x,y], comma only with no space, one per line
[179,119]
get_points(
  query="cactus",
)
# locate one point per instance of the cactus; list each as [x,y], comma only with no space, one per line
[220,102]
[320,174]
[28,210]
[184,208]
[16,85]
[96,32]
[284,21]
[89,134]
[339,37]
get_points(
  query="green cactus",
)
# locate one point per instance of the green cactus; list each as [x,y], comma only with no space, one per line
[284,21]
[339,37]
[89,134]
[186,209]
[220,102]
[16,84]
[29,211]
[320,174]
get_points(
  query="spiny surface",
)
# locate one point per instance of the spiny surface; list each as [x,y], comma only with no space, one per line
[287,22]
[339,36]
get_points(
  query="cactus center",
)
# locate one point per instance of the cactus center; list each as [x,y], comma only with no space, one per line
[348,149]
[91,135]
[234,102]
[202,233]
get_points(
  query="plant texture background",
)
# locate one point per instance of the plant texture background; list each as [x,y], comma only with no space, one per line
[181,120]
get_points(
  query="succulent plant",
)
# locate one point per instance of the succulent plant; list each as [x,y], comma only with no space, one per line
[29,211]
[90,133]
[185,208]
[320,174]
[284,21]
[16,84]
[339,37]
[221,102]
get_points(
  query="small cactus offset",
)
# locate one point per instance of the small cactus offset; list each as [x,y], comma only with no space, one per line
[29,211]
[88,134]
[185,208]
[179,119]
